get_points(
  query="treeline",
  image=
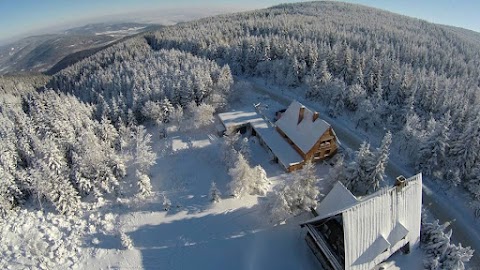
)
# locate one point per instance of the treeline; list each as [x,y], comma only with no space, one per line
[123,78]
[418,79]
[56,154]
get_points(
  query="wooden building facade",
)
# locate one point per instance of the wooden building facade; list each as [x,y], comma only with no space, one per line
[312,137]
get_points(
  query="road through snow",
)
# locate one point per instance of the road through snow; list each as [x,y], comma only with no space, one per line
[444,209]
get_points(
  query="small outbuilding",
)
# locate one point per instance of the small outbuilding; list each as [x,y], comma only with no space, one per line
[353,233]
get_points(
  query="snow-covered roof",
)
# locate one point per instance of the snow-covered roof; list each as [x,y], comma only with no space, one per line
[285,153]
[336,201]
[236,119]
[306,133]
[378,225]
[398,232]
[378,246]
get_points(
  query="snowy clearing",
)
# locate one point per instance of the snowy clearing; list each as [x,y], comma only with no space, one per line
[230,234]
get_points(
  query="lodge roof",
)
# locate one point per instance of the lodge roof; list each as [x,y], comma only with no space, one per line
[304,133]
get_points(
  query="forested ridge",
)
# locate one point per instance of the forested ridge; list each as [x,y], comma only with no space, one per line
[123,78]
[85,142]
[54,151]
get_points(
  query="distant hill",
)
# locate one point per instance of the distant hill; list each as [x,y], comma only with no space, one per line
[41,53]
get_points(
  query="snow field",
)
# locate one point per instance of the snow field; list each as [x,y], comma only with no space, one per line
[233,233]
[40,240]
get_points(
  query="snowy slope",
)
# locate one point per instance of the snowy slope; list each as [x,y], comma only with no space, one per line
[231,234]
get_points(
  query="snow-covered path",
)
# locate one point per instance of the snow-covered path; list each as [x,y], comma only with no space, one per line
[441,206]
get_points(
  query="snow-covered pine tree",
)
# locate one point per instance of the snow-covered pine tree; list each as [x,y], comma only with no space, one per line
[306,181]
[277,207]
[143,156]
[144,185]
[473,184]
[409,134]
[358,170]
[125,138]
[336,105]
[434,239]
[166,203]
[464,147]
[431,264]
[433,151]
[452,176]
[260,183]
[366,115]
[325,75]
[354,96]
[441,254]
[365,174]
[229,154]
[245,148]
[203,115]
[166,109]
[241,176]
[377,173]
[298,196]
[126,240]
[9,191]
[455,257]
[50,179]
[215,195]
[176,116]
[247,180]
[231,140]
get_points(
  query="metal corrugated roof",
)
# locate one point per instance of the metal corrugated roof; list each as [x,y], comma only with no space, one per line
[393,212]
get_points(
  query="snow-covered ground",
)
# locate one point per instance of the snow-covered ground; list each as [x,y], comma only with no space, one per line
[231,234]
[121,32]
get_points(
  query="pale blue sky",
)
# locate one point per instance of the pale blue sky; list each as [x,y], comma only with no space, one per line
[20,17]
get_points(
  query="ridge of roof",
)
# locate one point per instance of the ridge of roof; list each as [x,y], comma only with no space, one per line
[339,199]
[304,133]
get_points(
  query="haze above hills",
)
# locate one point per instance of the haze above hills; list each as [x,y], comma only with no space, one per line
[59,46]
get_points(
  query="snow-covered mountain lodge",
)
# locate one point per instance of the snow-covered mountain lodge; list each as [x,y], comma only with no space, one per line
[312,137]
[299,135]
[359,233]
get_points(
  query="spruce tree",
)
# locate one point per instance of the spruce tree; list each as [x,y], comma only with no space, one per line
[295,197]
[433,151]
[377,174]
[215,195]
[144,185]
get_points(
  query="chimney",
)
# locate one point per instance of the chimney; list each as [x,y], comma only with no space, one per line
[400,182]
[300,114]
[315,116]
